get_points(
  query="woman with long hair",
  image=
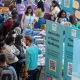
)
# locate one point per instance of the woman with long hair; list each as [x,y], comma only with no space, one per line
[54,9]
[28,18]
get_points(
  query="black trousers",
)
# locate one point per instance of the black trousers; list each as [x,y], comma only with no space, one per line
[33,74]
[17,66]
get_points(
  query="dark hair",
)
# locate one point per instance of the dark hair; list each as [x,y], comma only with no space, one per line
[72,18]
[1,44]
[40,5]
[27,37]
[14,12]
[2,58]
[56,3]
[18,38]
[9,40]
[11,7]
[26,12]
[60,13]
[10,33]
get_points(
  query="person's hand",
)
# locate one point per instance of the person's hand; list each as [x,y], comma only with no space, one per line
[26,74]
[25,71]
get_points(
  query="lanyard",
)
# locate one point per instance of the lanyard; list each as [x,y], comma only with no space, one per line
[29,19]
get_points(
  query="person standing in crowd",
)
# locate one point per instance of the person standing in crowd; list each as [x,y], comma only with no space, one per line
[11,8]
[74,22]
[54,9]
[61,17]
[11,52]
[28,18]
[31,58]
[40,9]
[6,72]
[21,8]
[40,14]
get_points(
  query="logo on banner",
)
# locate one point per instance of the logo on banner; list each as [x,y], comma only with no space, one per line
[54,27]
[73,32]
[69,72]
[52,65]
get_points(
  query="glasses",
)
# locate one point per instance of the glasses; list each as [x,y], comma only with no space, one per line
[63,14]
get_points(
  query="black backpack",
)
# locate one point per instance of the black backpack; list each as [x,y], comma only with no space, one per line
[21,56]
[6,73]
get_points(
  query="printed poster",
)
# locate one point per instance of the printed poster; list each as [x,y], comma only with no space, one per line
[76,8]
[52,65]
[67,6]
[68,56]
[67,3]
[69,73]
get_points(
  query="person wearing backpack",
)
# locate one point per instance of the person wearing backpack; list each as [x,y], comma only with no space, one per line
[11,52]
[22,55]
[6,72]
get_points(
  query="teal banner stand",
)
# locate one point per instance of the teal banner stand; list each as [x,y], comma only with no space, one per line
[76,56]
[71,59]
[68,56]
[54,51]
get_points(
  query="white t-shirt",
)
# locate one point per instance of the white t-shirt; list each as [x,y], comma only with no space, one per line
[28,21]
[55,11]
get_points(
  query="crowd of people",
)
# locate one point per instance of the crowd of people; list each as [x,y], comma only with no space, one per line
[18,54]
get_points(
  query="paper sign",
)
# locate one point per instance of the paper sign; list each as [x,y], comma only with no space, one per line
[67,3]
[54,27]
[52,65]
[69,72]
[73,32]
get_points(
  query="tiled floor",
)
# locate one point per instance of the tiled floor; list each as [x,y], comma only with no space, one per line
[42,74]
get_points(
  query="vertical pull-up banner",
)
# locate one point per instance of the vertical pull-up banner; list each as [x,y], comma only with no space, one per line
[54,51]
[72,54]
[68,56]
[76,57]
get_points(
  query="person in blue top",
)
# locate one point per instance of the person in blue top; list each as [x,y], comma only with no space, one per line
[31,58]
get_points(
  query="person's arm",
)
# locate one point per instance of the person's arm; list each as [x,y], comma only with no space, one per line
[27,59]
[35,18]
[16,52]
[27,63]
[22,21]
